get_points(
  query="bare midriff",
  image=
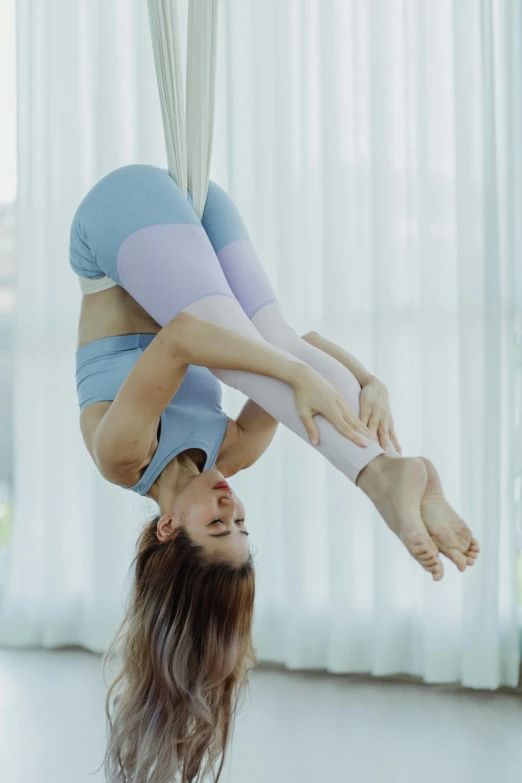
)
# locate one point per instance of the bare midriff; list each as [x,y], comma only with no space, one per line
[110,313]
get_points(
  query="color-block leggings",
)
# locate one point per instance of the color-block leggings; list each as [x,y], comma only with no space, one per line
[170,262]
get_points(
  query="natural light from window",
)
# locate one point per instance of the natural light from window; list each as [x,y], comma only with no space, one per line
[8,191]
[7,102]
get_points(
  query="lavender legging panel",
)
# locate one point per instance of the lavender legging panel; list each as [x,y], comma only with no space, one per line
[237,256]
[170,268]
[251,286]
[277,397]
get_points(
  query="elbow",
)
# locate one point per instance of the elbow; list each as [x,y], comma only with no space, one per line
[180,320]
[174,333]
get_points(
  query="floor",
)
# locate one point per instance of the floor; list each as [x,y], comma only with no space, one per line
[293,728]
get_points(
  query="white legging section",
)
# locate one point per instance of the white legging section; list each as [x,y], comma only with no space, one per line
[277,397]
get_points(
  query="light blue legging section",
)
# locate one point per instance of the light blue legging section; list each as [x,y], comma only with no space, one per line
[136,227]
[251,286]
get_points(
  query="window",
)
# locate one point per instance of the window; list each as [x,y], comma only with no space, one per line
[8,185]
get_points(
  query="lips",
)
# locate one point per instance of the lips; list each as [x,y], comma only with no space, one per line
[222,485]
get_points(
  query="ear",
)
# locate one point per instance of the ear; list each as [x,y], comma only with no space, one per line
[167,524]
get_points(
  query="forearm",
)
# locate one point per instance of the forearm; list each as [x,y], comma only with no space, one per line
[278,398]
[342,356]
[207,344]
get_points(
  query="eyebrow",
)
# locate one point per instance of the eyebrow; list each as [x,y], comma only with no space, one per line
[226,533]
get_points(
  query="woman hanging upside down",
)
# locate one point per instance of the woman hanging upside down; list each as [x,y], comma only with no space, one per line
[172,306]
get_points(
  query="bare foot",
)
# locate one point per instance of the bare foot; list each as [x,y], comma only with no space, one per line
[396,488]
[449,531]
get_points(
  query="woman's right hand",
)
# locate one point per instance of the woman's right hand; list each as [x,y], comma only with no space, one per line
[314,394]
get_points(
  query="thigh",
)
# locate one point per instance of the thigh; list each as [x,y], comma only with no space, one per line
[124,202]
[237,256]
[139,230]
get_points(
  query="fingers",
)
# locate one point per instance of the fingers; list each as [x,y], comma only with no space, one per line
[353,429]
[364,414]
[386,434]
[379,421]
[388,441]
[372,420]
[311,429]
[395,439]
[373,423]
[340,423]
[356,424]
[368,418]
[383,438]
[343,418]
[352,434]
[344,427]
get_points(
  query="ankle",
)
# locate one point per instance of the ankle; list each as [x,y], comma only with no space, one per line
[373,479]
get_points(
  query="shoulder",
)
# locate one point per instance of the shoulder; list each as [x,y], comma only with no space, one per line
[90,417]
[122,474]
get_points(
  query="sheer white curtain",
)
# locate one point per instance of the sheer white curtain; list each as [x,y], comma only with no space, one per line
[372,150]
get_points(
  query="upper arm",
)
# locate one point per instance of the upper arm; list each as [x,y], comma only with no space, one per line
[231,458]
[124,435]
[250,435]
[256,431]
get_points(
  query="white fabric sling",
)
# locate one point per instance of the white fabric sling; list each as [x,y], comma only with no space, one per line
[188,134]
[188,138]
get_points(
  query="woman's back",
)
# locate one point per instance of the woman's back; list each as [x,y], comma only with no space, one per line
[135,203]
[107,314]
[112,312]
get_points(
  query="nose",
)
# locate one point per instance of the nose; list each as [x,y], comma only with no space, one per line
[230,502]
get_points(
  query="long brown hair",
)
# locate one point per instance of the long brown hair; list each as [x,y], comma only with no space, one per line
[186,650]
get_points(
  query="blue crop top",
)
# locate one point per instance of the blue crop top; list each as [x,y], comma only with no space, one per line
[192,419]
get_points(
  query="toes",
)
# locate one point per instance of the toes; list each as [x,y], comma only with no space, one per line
[430,561]
[458,558]
[433,566]
[458,546]
[473,552]
[424,550]
[453,539]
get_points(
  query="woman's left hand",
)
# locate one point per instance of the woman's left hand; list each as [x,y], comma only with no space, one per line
[376,414]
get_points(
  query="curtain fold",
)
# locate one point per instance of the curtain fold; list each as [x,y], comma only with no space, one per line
[372,151]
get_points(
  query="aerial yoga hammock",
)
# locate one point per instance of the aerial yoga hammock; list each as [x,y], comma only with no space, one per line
[175,242]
